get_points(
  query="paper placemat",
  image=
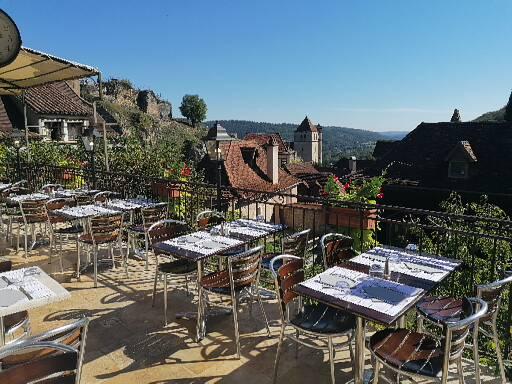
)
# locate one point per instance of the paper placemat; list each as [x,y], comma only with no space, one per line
[384,296]
[204,244]
[408,263]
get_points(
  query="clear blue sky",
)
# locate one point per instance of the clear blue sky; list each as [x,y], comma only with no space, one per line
[378,65]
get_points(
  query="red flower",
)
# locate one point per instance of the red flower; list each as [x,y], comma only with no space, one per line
[346,186]
[380,196]
[186,171]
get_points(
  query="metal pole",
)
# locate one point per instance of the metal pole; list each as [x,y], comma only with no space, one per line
[18,164]
[93,168]
[219,181]
[105,146]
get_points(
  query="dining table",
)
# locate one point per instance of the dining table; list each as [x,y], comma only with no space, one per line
[359,287]
[24,289]
[16,199]
[201,245]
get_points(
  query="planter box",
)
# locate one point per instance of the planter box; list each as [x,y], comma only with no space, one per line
[351,218]
[165,190]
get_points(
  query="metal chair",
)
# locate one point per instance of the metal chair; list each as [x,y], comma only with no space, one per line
[10,210]
[441,310]
[17,321]
[33,212]
[51,188]
[240,280]
[208,218]
[150,216]
[317,321]
[103,230]
[294,244]
[102,198]
[336,249]
[73,335]
[61,362]
[162,231]
[83,199]
[60,227]
[419,355]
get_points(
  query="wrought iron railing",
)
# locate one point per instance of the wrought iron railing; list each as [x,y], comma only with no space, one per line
[482,243]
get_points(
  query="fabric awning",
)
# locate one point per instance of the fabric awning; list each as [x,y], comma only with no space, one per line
[32,68]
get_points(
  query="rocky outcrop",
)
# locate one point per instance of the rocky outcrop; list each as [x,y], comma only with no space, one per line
[149,103]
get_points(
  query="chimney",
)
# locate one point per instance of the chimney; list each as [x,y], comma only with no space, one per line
[352,166]
[272,149]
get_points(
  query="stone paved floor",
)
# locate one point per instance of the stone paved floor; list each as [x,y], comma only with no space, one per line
[128,342]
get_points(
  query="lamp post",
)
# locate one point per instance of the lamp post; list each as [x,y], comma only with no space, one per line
[17,145]
[217,134]
[89,148]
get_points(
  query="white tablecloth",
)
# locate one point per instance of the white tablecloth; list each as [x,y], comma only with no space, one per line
[31,196]
[131,204]
[204,243]
[84,211]
[250,228]
[380,295]
[425,267]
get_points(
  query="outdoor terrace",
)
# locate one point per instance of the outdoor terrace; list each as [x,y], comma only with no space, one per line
[128,342]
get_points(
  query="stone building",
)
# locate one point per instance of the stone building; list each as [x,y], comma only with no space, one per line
[308,142]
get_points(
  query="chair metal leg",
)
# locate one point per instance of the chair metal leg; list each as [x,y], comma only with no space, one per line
[376,370]
[235,321]
[26,242]
[154,285]
[278,353]
[111,251]
[165,298]
[263,311]
[146,255]
[297,335]
[78,260]
[95,260]
[476,355]
[331,359]
[498,352]
[60,254]
[460,372]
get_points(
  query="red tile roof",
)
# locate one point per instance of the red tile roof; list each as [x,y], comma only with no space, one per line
[264,138]
[246,174]
[57,99]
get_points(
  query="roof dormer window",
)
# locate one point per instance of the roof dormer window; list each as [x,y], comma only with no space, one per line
[459,160]
[458,169]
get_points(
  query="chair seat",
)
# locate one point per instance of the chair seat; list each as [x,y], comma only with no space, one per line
[409,351]
[14,320]
[70,230]
[321,318]
[177,267]
[218,282]
[265,261]
[99,239]
[440,310]
[137,228]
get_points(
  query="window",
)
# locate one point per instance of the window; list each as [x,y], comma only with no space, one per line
[458,170]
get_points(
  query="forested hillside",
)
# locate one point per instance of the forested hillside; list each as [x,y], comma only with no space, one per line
[338,141]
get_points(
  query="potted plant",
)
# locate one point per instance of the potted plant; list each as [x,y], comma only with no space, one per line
[364,191]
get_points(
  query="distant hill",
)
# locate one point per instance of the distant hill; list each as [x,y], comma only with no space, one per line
[394,135]
[337,142]
[498,115]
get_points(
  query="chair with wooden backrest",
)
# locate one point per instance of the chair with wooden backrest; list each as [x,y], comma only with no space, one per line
[102,198]
[102,230]
[418,355]
[165,230]
[60,365]
[315,322]
[16,321]
[240,279]
[208,218]
[83,199]
[11,210]
[294,244]
[73,335]
[32,212]
[438,311]
[60,227]
[336,249]
[150,216]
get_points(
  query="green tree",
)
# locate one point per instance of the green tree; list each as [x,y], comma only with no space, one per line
[508,109]
[193,108]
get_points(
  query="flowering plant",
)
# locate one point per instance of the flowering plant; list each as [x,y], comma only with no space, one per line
[361,191]
[178,170]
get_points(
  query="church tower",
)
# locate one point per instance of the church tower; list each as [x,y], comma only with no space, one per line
[308,141]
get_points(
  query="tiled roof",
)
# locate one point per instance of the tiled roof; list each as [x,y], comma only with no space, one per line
[57,99]
[297,169]
[422,155]
[463,147]
[264,138]
[244,167]
[307,126]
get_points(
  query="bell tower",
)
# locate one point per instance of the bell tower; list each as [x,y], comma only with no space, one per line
[308,141]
